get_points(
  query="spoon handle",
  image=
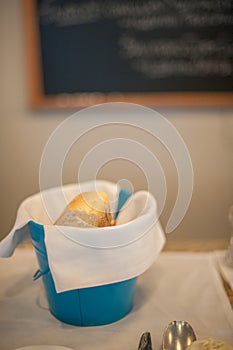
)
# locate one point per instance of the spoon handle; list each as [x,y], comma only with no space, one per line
[145,342]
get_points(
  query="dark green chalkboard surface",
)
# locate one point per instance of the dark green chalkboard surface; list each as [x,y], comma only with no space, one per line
[153,52]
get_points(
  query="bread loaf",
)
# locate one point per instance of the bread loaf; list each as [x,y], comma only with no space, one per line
[210,344]
[88,209]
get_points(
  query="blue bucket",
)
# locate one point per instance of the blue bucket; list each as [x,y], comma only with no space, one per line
[86,306]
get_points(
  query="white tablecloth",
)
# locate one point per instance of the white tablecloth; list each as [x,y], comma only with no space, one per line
[178,286]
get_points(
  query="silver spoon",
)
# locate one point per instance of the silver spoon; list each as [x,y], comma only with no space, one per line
[178,335]
[145,342]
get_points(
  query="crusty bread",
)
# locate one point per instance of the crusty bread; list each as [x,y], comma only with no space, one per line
[88,209]
[210,344]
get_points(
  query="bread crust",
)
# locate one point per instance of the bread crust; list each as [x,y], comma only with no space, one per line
[88,209]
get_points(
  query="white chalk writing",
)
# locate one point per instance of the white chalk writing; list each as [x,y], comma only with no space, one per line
[155,55]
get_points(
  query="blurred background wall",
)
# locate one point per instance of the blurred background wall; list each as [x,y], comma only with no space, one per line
[208,134]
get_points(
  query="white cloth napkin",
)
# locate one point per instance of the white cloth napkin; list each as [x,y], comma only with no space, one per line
[86,257]
[226,271]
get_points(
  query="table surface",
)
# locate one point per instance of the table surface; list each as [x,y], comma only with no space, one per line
[203,246]
[179,285]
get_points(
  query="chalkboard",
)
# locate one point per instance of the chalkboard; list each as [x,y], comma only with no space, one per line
[159,52]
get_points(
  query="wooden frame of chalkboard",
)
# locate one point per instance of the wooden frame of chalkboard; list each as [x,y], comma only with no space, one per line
[45,97]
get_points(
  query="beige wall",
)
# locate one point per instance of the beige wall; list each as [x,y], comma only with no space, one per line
[208,134]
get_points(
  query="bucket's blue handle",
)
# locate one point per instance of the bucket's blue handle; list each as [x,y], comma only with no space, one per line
[38,274]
